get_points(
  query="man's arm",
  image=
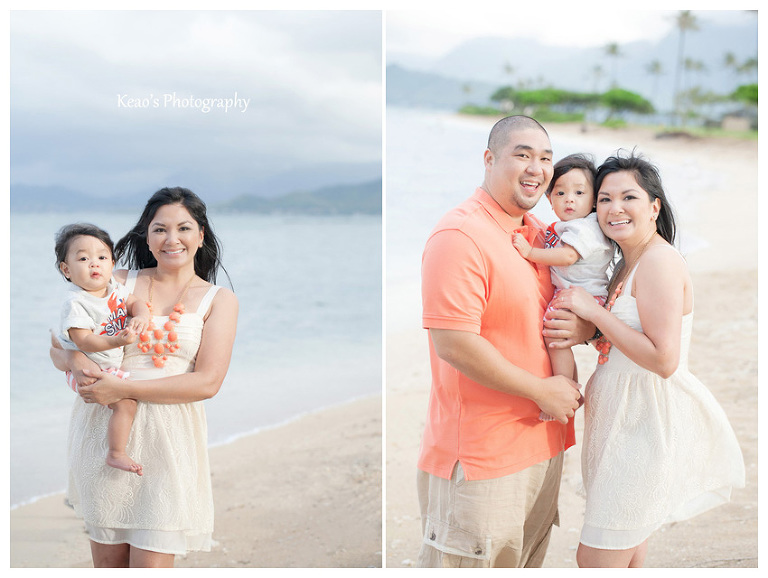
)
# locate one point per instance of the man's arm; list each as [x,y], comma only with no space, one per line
[480,361]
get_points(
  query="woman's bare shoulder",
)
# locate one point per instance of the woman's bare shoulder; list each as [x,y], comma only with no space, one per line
[662,255]
[662,265]
[224,306]
[120,275]
[224,295]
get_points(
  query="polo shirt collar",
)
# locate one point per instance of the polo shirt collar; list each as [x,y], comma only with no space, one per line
[504,220]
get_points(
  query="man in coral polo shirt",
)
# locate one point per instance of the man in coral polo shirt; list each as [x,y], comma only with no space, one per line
[489,469]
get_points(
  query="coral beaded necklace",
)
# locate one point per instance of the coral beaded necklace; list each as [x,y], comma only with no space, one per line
[603,345]
[160,350]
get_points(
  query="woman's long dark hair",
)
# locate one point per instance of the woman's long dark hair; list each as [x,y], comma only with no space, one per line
[132,250]
[647,176]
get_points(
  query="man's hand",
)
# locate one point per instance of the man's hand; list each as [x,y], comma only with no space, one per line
[560,397]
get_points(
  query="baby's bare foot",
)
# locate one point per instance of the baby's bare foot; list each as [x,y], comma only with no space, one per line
[121,461]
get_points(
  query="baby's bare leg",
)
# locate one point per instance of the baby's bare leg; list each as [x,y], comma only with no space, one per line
[563,363]
[118,432]
[562,360]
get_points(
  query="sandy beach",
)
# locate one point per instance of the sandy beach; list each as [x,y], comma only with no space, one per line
[724,356]
[302,495]
[308,494]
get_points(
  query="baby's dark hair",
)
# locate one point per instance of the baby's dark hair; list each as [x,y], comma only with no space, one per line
[68,232]
[574,161]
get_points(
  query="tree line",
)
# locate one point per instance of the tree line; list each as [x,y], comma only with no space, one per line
[690,100]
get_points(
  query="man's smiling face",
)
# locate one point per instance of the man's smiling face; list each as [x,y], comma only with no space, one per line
[518,173]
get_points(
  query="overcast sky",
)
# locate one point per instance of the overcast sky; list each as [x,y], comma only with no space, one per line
[434,33]
[313,80]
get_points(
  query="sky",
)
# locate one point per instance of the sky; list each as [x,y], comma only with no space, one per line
[313,81]
[434,33]
[111,102]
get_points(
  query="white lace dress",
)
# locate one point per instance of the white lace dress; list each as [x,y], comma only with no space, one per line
[655,450]
[170,508]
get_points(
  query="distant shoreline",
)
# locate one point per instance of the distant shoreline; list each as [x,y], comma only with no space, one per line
[230,439]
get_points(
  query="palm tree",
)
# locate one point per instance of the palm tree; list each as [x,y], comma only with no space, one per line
[656,70]
[695,66]
[692,97]
[598,73]
[612,50]
[509,70]
[685,21]
[748,66]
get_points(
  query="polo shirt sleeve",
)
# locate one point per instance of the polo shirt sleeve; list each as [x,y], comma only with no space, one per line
[453,282]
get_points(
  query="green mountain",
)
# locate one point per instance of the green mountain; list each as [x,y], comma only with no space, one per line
[362,198]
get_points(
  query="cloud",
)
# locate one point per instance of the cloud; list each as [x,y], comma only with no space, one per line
[434,33]
[312,79]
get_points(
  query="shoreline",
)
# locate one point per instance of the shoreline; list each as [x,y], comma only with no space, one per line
[263,504]
[231,439]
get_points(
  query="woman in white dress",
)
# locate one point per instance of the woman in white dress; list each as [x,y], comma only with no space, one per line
[657,446]
[132,521]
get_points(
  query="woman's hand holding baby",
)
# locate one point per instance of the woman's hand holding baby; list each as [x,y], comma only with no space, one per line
[106,389]
[578,301]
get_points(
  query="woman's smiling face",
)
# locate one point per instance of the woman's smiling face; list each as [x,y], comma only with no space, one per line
[174,236]
[624,210]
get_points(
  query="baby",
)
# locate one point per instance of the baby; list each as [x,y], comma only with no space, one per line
[95,321]
[576,249]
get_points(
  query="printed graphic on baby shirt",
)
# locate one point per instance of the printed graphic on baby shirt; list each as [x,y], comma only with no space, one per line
[550,237]
[118,316]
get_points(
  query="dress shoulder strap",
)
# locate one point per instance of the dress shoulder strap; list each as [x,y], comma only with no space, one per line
[631,276]
[130,280]
[205,304]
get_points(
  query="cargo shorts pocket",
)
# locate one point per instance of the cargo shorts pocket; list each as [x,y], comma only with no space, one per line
[463,548]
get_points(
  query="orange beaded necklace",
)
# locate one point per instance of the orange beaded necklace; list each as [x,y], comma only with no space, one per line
[158,349]
[602,344]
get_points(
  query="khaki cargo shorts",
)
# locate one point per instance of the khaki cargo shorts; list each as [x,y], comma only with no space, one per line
[498,523]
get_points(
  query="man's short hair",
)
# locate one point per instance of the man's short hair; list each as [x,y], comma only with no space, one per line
[499,136]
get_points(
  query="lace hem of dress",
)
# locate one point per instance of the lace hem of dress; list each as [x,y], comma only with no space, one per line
[177,543]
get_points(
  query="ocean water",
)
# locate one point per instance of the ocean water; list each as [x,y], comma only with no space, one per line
[435,161]
[308,336]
